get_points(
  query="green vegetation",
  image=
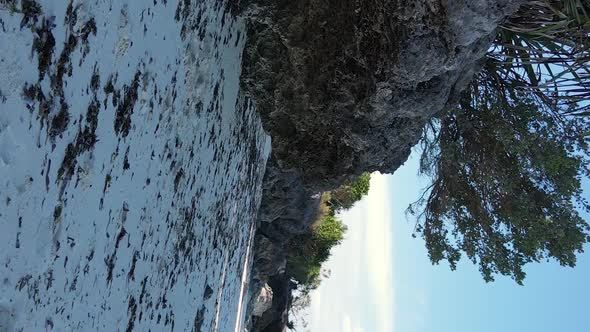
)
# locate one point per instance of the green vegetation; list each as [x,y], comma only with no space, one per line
[506,184]
[350,193]
[507,162]
[308,252]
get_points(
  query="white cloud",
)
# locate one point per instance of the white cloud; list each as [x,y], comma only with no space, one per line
[379,257]
[348,325]
[316,304]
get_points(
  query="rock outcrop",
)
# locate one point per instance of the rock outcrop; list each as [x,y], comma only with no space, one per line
[346,87]
[263,302]
[275,318]
[286,210]
[289,207]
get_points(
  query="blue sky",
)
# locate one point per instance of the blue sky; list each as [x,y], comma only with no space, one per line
[381,279]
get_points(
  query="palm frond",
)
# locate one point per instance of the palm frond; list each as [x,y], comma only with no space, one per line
[545,47]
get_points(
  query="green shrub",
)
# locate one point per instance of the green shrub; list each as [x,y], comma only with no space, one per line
[308,252]
[350,193]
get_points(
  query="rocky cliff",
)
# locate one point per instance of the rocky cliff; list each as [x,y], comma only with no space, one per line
[345,87]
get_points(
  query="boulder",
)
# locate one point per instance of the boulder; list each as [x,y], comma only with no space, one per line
[263,302]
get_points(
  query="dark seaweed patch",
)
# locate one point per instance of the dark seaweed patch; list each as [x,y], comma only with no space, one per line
[48,279]
[59,123]
[199,318]
[22,282]
[109,88]
[132,313]
[131,273]
[30,10]
[71,15]
[43,45]
[107,183]
[88,28]
[126,164]
[125,109]
[110,260]
[85,141]
[69,162]
[57,213]
[208,292]
[64,65]
[95,80]
[87,137]
[179,176]
[32,92]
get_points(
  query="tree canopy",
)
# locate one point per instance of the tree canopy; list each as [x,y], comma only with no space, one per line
[506,185]
[507,162]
